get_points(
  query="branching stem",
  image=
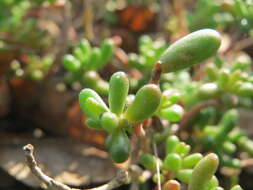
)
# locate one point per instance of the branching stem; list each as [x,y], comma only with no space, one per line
[121,178]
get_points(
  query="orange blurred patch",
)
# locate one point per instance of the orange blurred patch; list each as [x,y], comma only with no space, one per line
[136,18]
[78,130]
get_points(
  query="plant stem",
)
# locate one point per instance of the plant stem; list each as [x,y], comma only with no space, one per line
[121,178]
[195,110]
[157,167]
[156,73]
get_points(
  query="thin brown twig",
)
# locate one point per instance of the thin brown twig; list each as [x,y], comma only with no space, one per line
[156,73]
[17,44]
[36,171]
[194,111]
[121,178]
[242,44]
[246,163]
[163,14]
[88,17]
[63,40]
[136,141]
[179,11]
[235,37]
[121,56]
[157,167]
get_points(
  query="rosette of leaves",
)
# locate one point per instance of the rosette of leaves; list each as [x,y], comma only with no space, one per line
[149,53]
[183,167]
[182,83]
[82,65]
[222,80]
[223,13]
[36,68]
[169,108]
[118,118]
[193,169]
[121,114]
[226,139]
[14,16]
[234,78]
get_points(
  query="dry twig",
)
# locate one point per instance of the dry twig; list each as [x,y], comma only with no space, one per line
[62,44]
[156,73]
[51,184]
[157,167]
[195,110]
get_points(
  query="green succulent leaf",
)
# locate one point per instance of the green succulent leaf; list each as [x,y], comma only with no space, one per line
[71,63]
[85,47]
[155,178]
[148,161]
[208,90]
[145,103]
[173,113]
[119,146]
[95,58]
[226,125]
[217,188]
[107,48]
[94,101]
[109,121]
[94,124]
[118,90]
[172,162]
[171,143]
[191,160]
[246,144]
[191,49]
[184,175]
[228,147]
[93,109]
[203,172]
[236,187]
[182,149]
[91,79]
[245,89]
[213,183]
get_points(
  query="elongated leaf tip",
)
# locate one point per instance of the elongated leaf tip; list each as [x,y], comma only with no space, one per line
[191,49]
[203,172]
[145,103]
[118,90]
